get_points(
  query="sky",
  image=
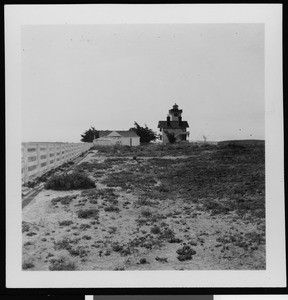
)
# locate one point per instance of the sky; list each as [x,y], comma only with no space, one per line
[108,76]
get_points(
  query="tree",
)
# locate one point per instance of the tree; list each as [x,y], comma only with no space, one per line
[146,134]
[171,137]
[89,135]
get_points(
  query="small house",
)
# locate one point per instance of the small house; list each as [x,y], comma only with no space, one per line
[117,137]
[174,126]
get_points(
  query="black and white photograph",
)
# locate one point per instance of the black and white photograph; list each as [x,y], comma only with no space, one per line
[144,145]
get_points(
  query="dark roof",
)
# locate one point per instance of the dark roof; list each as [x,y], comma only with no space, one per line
[124,133]
[173,124]
[103,133]
[175,110]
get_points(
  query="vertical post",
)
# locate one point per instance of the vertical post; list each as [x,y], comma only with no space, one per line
[47,156]
[66,152]
[25,165]
[55,154]
[38,158]
[61,156]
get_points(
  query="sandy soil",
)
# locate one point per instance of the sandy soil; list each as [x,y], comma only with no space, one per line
[124,239]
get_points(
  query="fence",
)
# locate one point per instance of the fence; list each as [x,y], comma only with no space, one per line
[38,158]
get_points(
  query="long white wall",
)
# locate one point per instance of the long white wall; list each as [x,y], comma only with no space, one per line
[38,158]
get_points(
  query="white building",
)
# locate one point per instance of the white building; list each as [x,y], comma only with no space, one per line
[117,137]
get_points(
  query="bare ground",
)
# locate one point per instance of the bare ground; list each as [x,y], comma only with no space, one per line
[144,210]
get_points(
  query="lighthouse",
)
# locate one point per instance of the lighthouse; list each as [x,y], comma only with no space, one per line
[174,126]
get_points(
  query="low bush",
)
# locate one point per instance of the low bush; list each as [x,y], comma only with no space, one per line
[144,202]
[65,223]
[185,253]
[90,193]
[69,181]
[79,251]
[63,244]
[88,214]
[174,240]
[161,259]
[93,201]
[62,264]
[84,226]
[63,200]
[155,230]
[25,226]
[31,233]
[116,247]
[112,229]
[167,234]
[28,264]
[143,261]
[111,209]
[146,213]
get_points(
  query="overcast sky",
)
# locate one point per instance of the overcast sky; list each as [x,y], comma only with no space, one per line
[108,76]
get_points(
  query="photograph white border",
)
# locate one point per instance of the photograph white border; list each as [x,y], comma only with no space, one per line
[271,16]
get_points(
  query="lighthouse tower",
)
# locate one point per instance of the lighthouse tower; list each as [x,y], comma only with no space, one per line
[175,113]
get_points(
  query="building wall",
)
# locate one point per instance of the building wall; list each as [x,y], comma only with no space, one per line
[175,131]
[130,141]
[125,141]
[103,143]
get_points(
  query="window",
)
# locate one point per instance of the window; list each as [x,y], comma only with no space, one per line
[31,168]
[32,158]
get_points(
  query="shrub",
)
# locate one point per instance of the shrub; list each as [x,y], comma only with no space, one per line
[25,226]
[80,251]
[185,253]
[27,264]
[31,233]
[144,202]
[65,223]
[171,137]
[88,214]
[90,193]
[112,229]
[93,201]
[161,259]
[146,213]
[167,234]
[62,264]
[71,181]
[155,230]
[84,226]
[143,261]
[117,247]
[63,200]
[111,209]
[63,244]
[174,240]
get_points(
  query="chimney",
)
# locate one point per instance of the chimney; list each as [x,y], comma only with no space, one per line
[168,120]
